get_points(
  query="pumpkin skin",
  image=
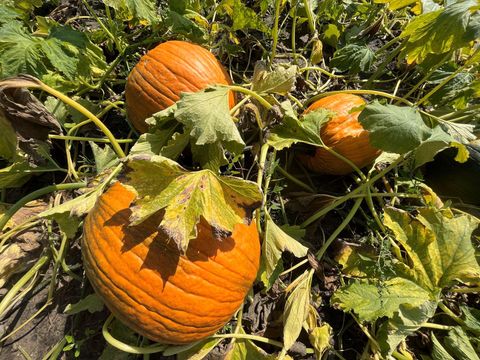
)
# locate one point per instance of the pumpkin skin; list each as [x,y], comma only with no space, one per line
[166,71]
[147,284]
[343,134]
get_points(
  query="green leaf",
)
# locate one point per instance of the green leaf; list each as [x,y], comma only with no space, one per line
[8,140]
[296,309]
[245,349]
[206,115]
[68,224]
[396,4]
[353,58]
[371,301]
[76,207]
[136,11]
[9,13]
[438,32]
[331,34]
[438,244]
[438,141]
[292,130]
[471,317]
[105,157]
[19,51]
[242,16]
[280,81]
[186,196]
[181,24]
[91,303]
[438,351]
[393,128]
[19,171]
[458,344]
[405,322]
[200,350]
[275,242]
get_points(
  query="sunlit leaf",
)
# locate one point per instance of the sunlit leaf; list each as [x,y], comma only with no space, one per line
[91,303]
[393,128]
[371,300]
[242,16]
[320,338]
[104,157]
[438,244]
[186,196]
[207,116]
[245,349]
[280,81]
[275,242]
[142,11]
[296,309]
[439,31]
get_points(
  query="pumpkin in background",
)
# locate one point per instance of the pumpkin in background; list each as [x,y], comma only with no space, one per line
[164,72]
[343,134]
[158,292]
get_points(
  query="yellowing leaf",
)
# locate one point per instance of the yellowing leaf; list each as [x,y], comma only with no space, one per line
[438,244]
[185,197]
[244,349]
[280,81]
[275,242]
[320,339]
[296,309]
[438,32]
[396,4]
[462,153]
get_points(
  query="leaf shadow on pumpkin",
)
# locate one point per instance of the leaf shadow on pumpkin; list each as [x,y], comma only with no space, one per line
[158,252]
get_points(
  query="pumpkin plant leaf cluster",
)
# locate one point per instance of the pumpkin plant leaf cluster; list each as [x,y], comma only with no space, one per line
[187,197]
[161,166]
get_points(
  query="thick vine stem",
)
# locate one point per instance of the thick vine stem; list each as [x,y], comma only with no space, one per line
[126,347]
[253,94]
[115,145]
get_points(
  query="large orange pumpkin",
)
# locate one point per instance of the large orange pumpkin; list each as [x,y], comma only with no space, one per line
[342,133]
[145,281]
[166,71]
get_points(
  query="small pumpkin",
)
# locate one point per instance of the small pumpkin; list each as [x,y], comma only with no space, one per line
[343,134]
[146,283]
[166,71]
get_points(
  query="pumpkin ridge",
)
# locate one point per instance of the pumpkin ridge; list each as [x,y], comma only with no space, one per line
[128,296]
[171,94]
[159,93]
[187,82]
[141,261]
[239,249]
[154,314]
[152,103]
[202,71]
[237,274]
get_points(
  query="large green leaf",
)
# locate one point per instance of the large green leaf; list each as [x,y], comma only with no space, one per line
[373,300]
[186,196]
[206,115]
[281,80]
[242,16]
[393,128]
[438,244]
[439,32]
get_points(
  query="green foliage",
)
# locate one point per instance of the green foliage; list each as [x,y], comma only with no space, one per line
[141,11]
[353,58]
[441,31]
